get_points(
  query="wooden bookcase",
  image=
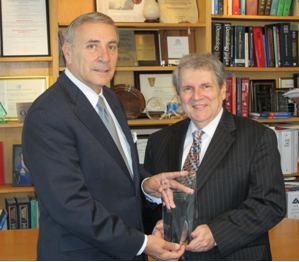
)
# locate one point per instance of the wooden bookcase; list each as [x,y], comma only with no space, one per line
[62,12]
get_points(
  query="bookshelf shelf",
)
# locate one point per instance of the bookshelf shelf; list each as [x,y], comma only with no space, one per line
[256,17]
[8,188]
[263,69]
[27,59]
[288,120]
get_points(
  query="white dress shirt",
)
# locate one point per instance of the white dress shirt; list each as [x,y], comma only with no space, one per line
[93,98]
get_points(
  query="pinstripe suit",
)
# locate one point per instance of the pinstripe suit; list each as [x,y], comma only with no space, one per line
[240,192]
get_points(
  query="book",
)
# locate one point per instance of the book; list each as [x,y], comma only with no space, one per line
[238,96]
[216,7]
[239,46]
[3,218]
[275,46]
[289,114]
[11,207]
[242,7]
[33,212]
[1,165]
[292,204]
[246,48]
[226,44]
[269,45]
[285,147]
[274,5]
[261,7]
[235,7]
[220,7]
[225,7]
[269,117]
[23,213]
[285,44]
[294,35]
[251,7]
[232,46]
[213,7]
[251,47]
[295,27]
[229,7]
[286,8]
[278,45]
[217,31]
[295,8]
[258,46]
[280,7]
[291,186]
[245,97]
[265,52]
[228,99]
[267,7]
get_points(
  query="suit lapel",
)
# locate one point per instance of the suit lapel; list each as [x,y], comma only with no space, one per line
[176,146]
[219,145]
[89,117]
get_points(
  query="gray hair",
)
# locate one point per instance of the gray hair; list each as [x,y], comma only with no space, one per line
[205,61]
[94,17]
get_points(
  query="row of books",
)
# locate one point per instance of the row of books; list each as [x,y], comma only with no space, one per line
[274,45]
[255,7]
[20,213]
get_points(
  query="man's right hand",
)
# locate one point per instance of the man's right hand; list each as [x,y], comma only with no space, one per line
[159,249]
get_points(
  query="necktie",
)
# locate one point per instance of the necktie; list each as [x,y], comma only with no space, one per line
[192,161]
[108,121]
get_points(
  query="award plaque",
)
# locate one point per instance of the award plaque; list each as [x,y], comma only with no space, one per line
[180,222]
[156,108]
[2,114]
[132,99]
[126,48]
[177,108]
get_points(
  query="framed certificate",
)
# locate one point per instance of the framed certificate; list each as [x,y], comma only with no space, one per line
[25,28]
[20,89]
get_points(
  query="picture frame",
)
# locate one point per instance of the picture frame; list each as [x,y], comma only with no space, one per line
[281,102]
[286,82]
[33,40]
[263,92]
[20,89]
[155,84]
[147,47]
[20,173]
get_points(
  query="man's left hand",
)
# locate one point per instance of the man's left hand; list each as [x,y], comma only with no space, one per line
[159,186]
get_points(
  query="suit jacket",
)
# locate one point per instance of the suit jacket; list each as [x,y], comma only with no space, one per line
[90,207]
[240,188]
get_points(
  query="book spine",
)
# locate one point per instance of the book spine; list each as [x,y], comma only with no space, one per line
[217,32]
[267,7]
[280,7]
[229,7]
[278,45]
[285,43]
[270,46]
[236,7]
[275,46]
[245,97]
[226,44]
[23,216]
[258,46]
[33,211]
[246,48]
[251,7]
[252,114]
[251,46]
[294,48]
[265,53]
[232,46]
[228,99]
[239,46]
[286,8]
[12,215]
[225,7]
[220,7]
[1,165]
[242,7]
[239,96]
[274,5]
[216,7]
[295,8]
[234,96]
[213,7]
[261,7]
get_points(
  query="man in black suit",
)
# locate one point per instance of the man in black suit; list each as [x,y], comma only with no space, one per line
[88,188]
[240,188]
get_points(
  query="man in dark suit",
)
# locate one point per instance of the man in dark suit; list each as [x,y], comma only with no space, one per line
[240,188]
[88,188]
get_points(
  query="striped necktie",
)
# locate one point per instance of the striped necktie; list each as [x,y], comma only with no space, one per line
[193,159]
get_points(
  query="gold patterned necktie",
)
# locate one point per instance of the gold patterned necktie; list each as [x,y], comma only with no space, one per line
[193,160]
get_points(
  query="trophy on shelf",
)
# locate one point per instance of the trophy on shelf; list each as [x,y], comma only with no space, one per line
[3,114]
[180,222]
[156,108]
[151,11]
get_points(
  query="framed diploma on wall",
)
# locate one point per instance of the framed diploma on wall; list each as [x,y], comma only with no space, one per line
[20,89]
[25,28]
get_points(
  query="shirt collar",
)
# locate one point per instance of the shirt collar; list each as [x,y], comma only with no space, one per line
[91,95]
[210,128]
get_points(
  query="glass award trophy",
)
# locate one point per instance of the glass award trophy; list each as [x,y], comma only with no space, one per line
[180,222]
[3,114]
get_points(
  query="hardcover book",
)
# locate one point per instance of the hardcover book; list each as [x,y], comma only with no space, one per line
[226,44]
[286,8]
[280,7]
[220,7]
[33,212]
[251,47]
[269,45]
[295,8]
[236,7]
[274,5]
[261,7]
[217,31]
[240,46]
[11,207]
[267,7]
[245,97]
[285,44]
[23,213]
[251,7]
[234,95]
[258,46]
[239,96]
[232,46]
[3,218]
[242,7]
[294,48]
[228,99]
[229,7]
[275,46]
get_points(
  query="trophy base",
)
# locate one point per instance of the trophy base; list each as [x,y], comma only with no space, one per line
[151,21]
